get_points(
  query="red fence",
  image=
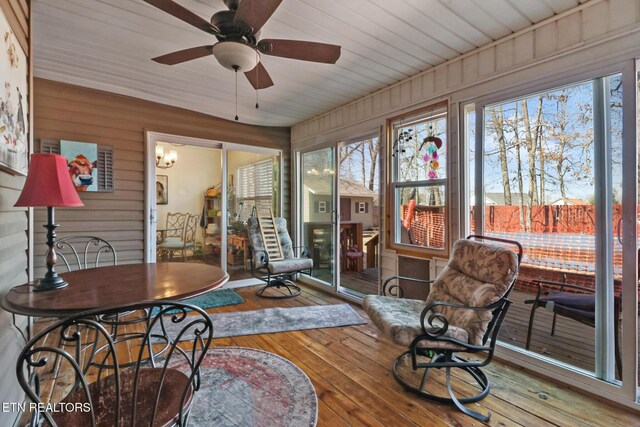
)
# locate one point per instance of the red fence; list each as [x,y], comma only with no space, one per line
[545,219]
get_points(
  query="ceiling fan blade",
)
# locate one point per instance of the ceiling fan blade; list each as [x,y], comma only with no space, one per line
[184,55]
[256,12]
[297,49]
[259,77]
[184,14]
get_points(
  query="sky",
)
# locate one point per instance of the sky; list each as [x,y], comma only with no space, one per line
[579,178]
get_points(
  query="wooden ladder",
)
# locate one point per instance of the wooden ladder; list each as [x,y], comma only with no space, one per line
[270,236]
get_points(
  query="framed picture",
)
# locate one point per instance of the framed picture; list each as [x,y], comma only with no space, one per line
[162,189]
[82,158]
[14,108]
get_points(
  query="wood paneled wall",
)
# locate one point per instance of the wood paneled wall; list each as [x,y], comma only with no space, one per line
[64,111]
[14,240]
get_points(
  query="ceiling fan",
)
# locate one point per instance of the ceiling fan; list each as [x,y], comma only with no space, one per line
[238,47]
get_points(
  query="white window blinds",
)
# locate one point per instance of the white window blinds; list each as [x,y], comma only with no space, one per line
[254,187]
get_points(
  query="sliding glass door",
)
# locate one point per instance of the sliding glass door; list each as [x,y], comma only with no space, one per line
[318,215]
[359,216]
[547,171]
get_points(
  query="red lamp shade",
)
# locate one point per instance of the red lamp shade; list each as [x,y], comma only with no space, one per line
[48,183]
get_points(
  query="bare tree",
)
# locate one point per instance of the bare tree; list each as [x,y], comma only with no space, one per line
[374,150]
[516,135]
[498,125]
[531,144]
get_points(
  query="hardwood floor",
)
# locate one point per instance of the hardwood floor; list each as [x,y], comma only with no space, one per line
[350,369]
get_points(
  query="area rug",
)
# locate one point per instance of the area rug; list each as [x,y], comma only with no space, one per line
[211,299]
[271,320]
[248,387]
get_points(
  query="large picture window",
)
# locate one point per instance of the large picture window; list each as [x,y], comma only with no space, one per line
[419,179]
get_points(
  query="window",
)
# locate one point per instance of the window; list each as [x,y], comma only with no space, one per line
[550,177]
[254,188]
[419,177]
[322,206]
[361,207]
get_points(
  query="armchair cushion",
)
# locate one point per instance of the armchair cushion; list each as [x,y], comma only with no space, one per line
[399,319]
[573,305]
[290,265]
[255,238]
[172,243]
[477,275]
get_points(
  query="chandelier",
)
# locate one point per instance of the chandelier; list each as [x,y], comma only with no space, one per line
[164,160]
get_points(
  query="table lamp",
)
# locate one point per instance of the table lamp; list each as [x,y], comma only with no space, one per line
[49,184]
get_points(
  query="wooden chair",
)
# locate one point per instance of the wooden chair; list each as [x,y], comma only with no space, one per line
[157,390]
[462,314]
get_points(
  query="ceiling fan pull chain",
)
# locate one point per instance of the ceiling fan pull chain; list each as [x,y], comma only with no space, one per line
[235,67]
[257,79]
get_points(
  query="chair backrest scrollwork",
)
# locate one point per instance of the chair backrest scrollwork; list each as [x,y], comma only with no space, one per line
[176,222]
[151,384]
[81,252]
[191,228]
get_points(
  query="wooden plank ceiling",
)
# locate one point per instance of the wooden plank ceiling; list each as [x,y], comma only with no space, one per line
[107,44]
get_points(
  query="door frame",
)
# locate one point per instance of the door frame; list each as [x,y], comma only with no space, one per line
[297,210]
[150,213]
[625,393]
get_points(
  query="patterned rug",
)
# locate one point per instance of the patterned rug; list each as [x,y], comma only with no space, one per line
[248,387]
[271,320]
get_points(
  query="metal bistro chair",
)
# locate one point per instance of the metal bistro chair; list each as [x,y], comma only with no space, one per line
[573,302]
[80,252]
[155,391]
[463,313]
[187,240]
[272,257]
[173,235]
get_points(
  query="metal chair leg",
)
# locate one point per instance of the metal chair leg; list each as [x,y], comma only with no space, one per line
[534,306]
[553,324]
[460,406]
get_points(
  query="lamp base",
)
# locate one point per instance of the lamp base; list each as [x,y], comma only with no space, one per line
[50,283]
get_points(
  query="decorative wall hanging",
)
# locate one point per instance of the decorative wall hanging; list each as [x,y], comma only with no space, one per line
[83,162]
[82,158]
[162,189]
[432,143]
[14,119]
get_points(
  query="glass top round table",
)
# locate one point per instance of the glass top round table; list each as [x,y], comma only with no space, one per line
[115,286]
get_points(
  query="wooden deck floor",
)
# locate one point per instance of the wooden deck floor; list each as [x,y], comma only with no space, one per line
[573,342]
[365,281]
[350,370]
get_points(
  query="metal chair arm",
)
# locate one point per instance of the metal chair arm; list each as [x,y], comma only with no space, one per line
[550,283]
[439,331]
[390,290]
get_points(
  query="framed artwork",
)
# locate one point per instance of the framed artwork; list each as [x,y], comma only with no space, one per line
[162,189]
[82,158]
[14,108]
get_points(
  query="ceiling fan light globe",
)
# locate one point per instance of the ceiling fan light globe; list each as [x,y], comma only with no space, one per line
[236,55]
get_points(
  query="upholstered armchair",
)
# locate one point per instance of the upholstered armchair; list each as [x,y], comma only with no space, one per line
[463,313]
[276,271]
